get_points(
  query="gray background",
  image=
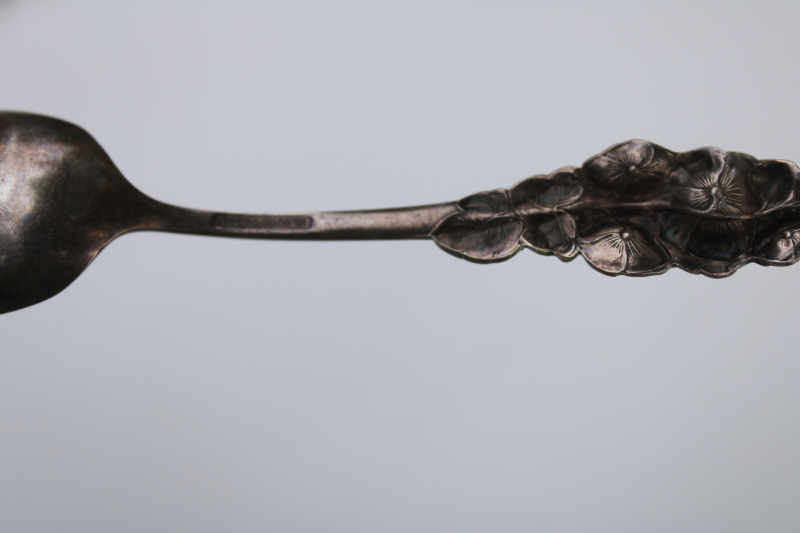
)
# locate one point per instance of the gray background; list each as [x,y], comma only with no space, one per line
[199,384]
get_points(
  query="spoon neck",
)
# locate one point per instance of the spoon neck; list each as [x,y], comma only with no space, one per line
[402,223]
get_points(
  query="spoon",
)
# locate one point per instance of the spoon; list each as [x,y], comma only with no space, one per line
[635,209]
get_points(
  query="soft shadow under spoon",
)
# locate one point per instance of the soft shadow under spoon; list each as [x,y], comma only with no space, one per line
[636,209]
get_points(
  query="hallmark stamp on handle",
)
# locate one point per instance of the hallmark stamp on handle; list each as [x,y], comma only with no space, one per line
[261,222]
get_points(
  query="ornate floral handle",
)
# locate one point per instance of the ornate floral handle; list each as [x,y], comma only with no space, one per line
[639,209]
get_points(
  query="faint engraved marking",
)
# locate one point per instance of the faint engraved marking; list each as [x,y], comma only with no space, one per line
[261,222]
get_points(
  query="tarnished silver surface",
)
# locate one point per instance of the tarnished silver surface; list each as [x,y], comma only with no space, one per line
[636,209]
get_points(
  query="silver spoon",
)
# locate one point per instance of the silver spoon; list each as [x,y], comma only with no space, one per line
[636,209]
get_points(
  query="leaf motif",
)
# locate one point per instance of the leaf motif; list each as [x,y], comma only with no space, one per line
[479,239]
[550,233]
[637,209]
[545,193]
[486,204]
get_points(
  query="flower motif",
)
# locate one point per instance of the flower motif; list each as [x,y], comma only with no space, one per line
[715,193]
[630,167]
[783,247]
[709,239]
[637,209]
[619,249]
[721,240]
[709,181]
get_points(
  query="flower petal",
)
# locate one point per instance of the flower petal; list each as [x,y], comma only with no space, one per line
[772,182]
[699,164]
[633,150]
[643,257]
[709,180]
[632,168]
[720,240]
[676,228]
[736,195]
[620,249]
[606,251]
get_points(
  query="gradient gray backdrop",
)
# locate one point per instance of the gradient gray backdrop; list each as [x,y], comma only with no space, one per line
[189,384]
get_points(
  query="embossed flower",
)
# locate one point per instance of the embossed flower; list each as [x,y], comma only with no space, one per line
[783,247]
[631,167]
[618,249]
[706,238]
[709,181]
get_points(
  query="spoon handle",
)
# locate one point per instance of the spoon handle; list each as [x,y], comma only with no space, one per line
[402,223]
[636,209]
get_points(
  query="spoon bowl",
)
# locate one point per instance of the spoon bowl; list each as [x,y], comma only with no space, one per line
[62,200]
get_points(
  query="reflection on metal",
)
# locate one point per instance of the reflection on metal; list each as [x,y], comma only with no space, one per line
[636,209]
